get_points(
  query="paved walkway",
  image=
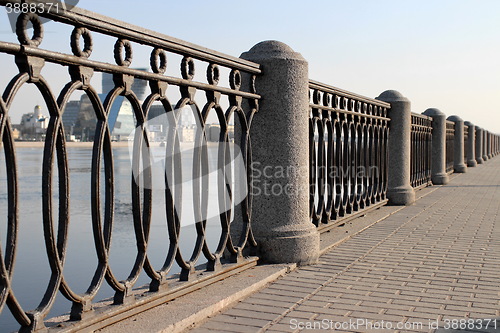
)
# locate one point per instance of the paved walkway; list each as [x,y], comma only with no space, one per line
[432,264]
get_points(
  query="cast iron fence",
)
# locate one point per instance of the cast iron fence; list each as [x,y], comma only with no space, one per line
[348,152]
[348,146]
[420,150]
[30,58]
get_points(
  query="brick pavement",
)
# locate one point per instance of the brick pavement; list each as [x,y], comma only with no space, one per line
[437,260]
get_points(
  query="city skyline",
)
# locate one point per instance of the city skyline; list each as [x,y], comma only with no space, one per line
[438,54]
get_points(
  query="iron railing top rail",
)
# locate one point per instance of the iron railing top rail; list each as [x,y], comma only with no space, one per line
[116,28]
[344,93]
[66,59]
[421,121]
[421,116]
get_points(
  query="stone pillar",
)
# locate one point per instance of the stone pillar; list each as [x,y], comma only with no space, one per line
[485,145]
[494,139]
[458,146]
[495,149]
[399,191]
[490,153]
[493,144]
[479,145]
[280,148]
[439,175]
[493,152]
[496,144]
[470,145]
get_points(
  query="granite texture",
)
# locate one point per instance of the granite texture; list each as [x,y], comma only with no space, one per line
[479,145]
[458,156]
[470,145]
[399,191]
[280,141]
[439,175]
[485,145]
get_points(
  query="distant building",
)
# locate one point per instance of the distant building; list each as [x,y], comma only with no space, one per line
[212,132]
[16,132]
[70,116]
[159,123]
[79,119]
[34,124]
[86,121]
[186,116]
[121,117]
[139,87]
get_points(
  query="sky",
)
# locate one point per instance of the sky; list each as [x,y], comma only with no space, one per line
[443,54]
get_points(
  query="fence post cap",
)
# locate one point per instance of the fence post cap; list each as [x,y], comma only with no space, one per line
[391,96]
[271,49]
[468,123]
[454,118]
[432,112]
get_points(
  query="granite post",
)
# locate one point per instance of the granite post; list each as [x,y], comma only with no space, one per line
[494,148]
[399,191]
[485,145]
[438,172]
[496,144]
[494,138]
[479,145]
[280,152]
[490,152]
[458,145]
[493,145]
[471,145]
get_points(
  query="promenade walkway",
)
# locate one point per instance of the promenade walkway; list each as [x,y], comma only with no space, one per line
[421,267]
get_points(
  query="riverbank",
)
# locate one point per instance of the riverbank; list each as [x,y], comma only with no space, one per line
[40,144]
[114,144]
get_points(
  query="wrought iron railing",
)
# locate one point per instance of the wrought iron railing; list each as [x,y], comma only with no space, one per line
[421,150]
[348,152]
[450,145]
[242,101]
[348,149]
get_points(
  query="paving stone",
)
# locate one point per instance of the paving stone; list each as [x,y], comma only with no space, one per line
[259,308]
[268,302]
[235,312]
[218,326]
[239,320]
[436,259]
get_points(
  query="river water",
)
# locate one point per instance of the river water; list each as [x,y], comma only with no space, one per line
[31,271]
